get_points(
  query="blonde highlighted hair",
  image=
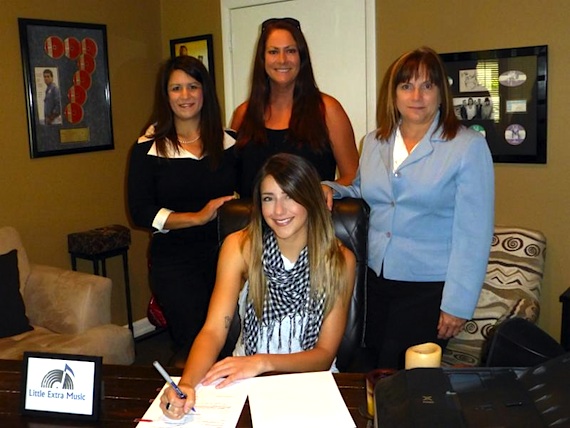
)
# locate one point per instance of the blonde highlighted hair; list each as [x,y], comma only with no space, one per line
[300,181]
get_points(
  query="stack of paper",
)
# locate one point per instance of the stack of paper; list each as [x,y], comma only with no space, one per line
[298,400]
[219,408]
[293,400]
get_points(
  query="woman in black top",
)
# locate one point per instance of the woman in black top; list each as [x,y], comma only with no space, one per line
[286,112]
[181,171]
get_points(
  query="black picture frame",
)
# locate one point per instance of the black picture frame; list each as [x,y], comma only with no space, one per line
[62,386]
[200,47]
[509,89]
[75,54]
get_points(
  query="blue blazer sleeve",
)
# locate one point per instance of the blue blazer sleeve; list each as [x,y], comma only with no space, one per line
[473,225]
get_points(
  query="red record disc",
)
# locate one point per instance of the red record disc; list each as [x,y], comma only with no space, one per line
[77,94]
[73,113]
[72,47]
[82,78]
[86,63]
[89,46]
[53,46]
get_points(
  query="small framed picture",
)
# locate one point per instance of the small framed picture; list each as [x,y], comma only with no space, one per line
[200,47]
[61,386]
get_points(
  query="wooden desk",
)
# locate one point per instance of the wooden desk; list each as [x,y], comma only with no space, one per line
[127,394]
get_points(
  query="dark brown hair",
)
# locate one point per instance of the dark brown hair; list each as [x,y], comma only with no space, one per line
[307,124]
[211,127]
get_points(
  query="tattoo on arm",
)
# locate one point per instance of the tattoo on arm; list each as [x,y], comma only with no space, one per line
[228,321]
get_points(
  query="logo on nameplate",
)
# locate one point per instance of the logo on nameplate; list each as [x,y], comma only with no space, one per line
[61,385]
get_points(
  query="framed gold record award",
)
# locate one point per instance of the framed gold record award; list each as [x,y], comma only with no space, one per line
[67,92]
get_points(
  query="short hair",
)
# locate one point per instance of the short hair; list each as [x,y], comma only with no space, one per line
[411,65]
[48,71]
[211,127]
[299,179]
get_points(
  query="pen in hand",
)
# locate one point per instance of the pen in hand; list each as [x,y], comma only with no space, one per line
[169,380]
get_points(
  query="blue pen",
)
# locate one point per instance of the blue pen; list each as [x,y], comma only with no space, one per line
[169,380]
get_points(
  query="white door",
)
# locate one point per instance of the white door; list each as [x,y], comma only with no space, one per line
[341,38]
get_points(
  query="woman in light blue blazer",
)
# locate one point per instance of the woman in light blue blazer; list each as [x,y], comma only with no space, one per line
[430,185]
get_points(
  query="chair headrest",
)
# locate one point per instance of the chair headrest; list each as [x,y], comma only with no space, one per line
[350,219]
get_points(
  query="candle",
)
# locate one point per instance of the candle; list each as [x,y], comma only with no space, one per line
[424,355]
[371,379]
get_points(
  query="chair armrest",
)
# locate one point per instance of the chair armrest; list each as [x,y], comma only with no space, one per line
[66,301]
[525,307]
[114,343]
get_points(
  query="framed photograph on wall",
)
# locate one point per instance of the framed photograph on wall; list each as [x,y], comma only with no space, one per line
[66,82]
[502,93]
[200,47]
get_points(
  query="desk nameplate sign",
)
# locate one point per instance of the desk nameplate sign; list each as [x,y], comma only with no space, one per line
[61,386]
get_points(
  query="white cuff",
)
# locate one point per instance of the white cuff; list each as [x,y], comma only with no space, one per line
[160,220]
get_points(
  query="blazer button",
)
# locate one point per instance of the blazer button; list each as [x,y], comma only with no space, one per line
[388,234]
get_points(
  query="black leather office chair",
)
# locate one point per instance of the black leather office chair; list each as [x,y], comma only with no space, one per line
[517,342]
[350,218]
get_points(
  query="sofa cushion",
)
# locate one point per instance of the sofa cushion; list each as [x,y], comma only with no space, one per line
[13,318]
[10,240]
[114,343]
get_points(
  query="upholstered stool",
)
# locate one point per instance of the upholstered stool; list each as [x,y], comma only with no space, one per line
[98,245]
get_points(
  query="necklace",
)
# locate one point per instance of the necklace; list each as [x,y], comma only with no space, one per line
[183,141]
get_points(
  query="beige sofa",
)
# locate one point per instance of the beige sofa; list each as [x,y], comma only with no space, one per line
[70,311]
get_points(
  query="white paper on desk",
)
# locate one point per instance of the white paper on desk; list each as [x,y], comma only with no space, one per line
[298,400]
[215,408]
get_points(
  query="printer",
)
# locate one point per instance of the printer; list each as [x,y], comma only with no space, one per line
[476,397]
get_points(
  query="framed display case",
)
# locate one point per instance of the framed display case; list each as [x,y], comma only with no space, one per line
[502,93]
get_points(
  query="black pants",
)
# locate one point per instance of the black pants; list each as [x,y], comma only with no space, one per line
[400,314]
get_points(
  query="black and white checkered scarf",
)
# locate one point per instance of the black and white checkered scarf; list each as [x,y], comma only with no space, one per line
[288,295]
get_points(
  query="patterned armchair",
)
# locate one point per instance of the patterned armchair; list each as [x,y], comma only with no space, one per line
[511,289]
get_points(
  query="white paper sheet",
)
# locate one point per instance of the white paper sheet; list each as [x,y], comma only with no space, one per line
[215,408]
[298,400]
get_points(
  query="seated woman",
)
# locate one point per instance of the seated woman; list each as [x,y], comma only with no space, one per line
[293,280]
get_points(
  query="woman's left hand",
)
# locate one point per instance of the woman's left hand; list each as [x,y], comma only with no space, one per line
[448,326]
[234,368]
[210,210]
